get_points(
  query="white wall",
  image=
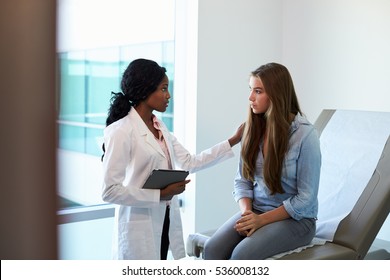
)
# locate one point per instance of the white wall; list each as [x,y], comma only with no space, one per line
[338,53]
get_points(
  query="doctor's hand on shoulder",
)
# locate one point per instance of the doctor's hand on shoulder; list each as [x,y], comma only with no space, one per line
[173,189]
[236,138]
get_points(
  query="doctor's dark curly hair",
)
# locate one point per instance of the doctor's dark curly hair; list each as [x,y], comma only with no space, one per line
[140,79]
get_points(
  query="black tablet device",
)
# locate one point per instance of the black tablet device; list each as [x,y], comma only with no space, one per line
[160,178]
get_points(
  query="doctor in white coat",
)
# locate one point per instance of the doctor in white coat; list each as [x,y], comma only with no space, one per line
[135,143]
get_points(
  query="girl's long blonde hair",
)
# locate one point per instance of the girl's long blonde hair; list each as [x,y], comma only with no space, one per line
[276,122]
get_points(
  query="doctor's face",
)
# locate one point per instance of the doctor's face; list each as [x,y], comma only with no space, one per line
[258,98]
[159,99]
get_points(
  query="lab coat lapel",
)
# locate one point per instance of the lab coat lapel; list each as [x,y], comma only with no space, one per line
[145,132]
[149,139]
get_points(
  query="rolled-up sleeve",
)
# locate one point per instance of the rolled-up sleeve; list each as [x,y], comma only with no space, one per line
[305,203]
[242,187]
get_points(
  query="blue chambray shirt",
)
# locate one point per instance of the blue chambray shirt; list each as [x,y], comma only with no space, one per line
[300,175]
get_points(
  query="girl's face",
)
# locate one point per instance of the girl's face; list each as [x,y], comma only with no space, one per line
[258,98]
[159,99]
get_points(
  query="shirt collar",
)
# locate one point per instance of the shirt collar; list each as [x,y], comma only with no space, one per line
[298,120]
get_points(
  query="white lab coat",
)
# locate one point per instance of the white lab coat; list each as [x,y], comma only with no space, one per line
[132,152]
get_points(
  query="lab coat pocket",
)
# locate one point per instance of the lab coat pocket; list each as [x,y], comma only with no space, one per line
[136,240]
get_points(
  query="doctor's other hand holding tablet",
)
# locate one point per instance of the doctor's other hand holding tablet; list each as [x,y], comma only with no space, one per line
[173,189]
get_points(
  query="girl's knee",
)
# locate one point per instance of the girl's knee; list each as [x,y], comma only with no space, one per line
[239,254]
[208,249]
[214,249]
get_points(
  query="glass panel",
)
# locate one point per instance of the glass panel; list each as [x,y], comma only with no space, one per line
[103,76]
[71,137]
[72,88]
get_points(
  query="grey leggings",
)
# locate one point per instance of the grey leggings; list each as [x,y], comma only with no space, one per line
[265,242]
